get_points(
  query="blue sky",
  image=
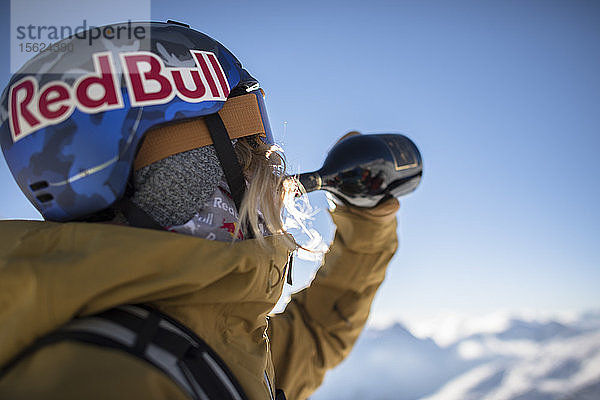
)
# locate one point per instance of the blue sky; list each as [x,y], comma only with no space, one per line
[502,97]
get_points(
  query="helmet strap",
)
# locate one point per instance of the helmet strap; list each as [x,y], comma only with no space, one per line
[135,215]
[228,159]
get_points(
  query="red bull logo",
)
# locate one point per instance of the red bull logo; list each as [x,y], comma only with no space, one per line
[231,228]
[148,81]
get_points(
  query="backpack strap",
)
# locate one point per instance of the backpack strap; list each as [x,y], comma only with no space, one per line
[156,338]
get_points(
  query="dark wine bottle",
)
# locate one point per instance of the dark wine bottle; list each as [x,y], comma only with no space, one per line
[365,170]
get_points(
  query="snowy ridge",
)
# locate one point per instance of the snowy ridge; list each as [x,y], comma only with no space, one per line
[525,360]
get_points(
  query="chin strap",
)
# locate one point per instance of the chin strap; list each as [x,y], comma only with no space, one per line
[228,159]
[135,215]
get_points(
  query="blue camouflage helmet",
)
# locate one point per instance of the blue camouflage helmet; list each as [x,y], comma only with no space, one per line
[73,118]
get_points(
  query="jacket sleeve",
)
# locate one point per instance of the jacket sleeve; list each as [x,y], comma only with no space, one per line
[321,323]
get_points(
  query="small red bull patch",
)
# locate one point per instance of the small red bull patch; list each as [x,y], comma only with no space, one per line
[231,227]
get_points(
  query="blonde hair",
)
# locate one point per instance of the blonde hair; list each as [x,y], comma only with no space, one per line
[269,187]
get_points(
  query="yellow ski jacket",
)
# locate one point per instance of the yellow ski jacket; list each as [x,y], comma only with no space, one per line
[53,272]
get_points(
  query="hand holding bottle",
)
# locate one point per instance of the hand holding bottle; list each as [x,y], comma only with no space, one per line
[366,170]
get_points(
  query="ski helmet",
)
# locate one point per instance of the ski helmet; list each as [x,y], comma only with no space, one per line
[74,117]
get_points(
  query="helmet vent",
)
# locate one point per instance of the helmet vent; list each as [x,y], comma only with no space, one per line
[44,198]
[38,185]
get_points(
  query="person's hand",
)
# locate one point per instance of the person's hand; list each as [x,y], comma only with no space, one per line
[380,213]
[347,135]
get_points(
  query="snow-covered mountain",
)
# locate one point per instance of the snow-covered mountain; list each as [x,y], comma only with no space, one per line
[525,360]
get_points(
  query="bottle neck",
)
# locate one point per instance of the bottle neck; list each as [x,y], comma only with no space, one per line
[311,181]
